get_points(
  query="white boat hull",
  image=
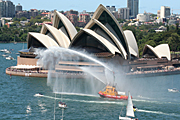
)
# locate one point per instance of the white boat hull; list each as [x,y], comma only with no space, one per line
[125,118]
[173,90]
[38,95]
[62,106]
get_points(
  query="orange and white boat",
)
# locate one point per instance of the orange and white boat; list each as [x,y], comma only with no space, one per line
[111,92]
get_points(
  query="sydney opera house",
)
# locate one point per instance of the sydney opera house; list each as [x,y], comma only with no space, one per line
[102,37]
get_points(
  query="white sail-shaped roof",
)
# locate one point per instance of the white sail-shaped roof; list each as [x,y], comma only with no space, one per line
[94,24]
[133,48]
[58,35]
[107,19]
[44,40]
[62,22]
[129,109]
[159,51]
[111,48]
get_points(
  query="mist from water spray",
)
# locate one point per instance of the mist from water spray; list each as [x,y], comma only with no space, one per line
[144,87]
[50,57]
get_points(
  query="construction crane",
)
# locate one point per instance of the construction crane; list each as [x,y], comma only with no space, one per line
[173,10]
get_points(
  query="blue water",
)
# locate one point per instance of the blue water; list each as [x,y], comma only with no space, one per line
[150,96]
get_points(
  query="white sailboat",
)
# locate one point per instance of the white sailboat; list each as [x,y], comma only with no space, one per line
[15,40]
[129,110]
[173,89]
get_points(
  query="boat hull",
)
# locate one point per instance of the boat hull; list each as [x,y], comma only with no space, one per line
[121,97]
[173,90]
[62,106]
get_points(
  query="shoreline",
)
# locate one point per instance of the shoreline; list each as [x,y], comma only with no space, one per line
[44,73]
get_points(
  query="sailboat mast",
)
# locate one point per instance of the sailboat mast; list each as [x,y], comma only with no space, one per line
[61,94]
[62,113]
[114,79]
[55,106]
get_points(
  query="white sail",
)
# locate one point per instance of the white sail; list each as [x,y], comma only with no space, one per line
[129,110]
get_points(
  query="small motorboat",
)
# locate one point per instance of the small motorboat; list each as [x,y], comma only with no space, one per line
[173,90]
[4,55]
[38,95]
[3,50]
[7,51]
[9,58]
[62,105]
[111,92]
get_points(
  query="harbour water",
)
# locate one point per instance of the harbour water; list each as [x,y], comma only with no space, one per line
[150,96]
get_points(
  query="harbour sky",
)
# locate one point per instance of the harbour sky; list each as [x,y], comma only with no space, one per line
[91,5]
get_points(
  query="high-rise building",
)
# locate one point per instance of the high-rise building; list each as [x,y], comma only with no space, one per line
[7,8]
[158,14]
[123,13]
[111,9]
[165,12]
[145,17]
[18,7]
[133,6]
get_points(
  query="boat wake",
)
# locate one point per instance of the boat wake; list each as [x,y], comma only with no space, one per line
[139,96]
[77,94]
[149,101]
[86,101]
[156,102]
[158,112]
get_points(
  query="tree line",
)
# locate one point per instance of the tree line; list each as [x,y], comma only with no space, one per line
[146,34]
[18,31]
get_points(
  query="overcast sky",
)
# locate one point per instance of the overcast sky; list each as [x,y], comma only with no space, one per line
[91,5]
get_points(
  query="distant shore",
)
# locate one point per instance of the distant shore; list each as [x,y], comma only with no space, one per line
[153,73]
[11,42]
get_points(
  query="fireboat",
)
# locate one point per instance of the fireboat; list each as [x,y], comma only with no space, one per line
[111,92]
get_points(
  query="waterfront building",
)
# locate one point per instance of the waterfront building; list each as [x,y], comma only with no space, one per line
[102,37]
[160,51]
[133,6]
[7,8]
[165,12]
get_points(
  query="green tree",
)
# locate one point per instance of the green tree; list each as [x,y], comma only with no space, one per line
[177,26]
[174,41]
[23,37]
[23,19]
[16,19]
[38,17]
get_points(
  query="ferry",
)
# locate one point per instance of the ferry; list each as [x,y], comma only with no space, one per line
[111,92]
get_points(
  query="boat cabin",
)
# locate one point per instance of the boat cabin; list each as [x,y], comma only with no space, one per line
[110,90]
